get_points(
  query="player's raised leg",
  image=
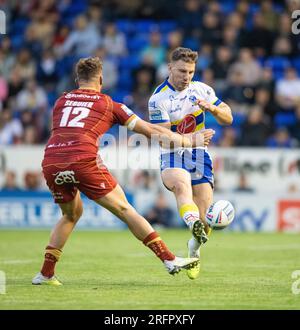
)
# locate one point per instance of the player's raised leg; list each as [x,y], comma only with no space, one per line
[179,182]
[203,196]
[71,211]
[116,202]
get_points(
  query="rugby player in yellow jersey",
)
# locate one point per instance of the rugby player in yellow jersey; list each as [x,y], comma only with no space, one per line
[180,104]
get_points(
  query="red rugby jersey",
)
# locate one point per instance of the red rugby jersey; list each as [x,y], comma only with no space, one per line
[80,117]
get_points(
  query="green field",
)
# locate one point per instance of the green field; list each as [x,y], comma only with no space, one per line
[112,270]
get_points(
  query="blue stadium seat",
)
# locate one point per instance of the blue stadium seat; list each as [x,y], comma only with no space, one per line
[137,43]
[129,62]
[125,25]
[238,119]
[227,7]
[120,95]
[18,27]
[296,64]
[284,119]
[125,79]
[167,26]
[17,41]
[192,43]
[146,26]
[277,63]
[52,96]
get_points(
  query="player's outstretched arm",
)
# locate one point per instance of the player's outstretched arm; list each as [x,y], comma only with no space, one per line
[173,140]
[222,112]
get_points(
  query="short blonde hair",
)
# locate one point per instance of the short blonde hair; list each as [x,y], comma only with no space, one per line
[184,54]
[88,68]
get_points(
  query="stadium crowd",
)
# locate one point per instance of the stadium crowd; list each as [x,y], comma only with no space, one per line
[247,53]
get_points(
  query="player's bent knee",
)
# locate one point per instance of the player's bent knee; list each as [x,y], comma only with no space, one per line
[180,187]
[74,216]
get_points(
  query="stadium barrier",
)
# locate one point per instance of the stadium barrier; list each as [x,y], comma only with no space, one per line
[269,207]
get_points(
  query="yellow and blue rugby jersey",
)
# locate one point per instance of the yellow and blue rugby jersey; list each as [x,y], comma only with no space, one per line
[179,108]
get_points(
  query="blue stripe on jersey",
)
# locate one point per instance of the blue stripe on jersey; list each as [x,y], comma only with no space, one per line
[170,86]
[217,102]
[172,156]
[160,87]
[159,121]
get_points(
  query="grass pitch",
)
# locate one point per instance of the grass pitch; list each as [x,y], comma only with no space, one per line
[112,270]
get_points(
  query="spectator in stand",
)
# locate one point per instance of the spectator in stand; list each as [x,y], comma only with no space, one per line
[204,58]
[160,213]
[248,67]
[221,65]
[32,42]
[15,84]
[83,40]
[155,52]
[230,39]
[267,81]
[30,135]
[3,90]
[32,97]
[211,29]
[47,72]
[243,185]
[288,90]
[143,87]
[109,69]
[11,129]
[32,180]
[283,47]
[189,17]
[280,139]
[114,41]
[295,128]
[236,91]
[7,57]
[25,64]
[269,15]
[60,37]
[255,129]
[263,98]
[228,138]
[10,183]
[259,38]
[284,30]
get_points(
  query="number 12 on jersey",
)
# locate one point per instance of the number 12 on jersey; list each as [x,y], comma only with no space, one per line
[81,113]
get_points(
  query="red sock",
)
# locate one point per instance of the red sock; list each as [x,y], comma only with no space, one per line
[51,257]
[156,244]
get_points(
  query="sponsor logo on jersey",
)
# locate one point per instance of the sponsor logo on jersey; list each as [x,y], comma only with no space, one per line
[82,96]
[188,125]
[178,107]
[65,177]
[156,115]
[192,99]
[152,105]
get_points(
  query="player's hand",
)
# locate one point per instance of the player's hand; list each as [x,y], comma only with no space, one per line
[203,138]
[208,135]
[206,106]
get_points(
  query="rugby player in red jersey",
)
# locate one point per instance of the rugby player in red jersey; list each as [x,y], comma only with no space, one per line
[71,165]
